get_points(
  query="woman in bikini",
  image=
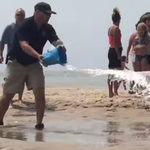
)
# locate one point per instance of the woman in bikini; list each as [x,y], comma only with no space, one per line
[141,53]
[142,38]
[131,51]
[115,50]
[146,19]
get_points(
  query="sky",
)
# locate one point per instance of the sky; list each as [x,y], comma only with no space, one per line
[82,25]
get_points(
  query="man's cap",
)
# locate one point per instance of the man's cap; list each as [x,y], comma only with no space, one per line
[44,7]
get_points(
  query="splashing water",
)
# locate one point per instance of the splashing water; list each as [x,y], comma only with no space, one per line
[69,67]
[140,78]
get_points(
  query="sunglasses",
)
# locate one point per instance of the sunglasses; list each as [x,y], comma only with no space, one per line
[47,14]
[22,15]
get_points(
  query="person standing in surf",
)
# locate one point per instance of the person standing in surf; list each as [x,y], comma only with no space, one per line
[115,50]
[132,56]
[142,38]
[146,19]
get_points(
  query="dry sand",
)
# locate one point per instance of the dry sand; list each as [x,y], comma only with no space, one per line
[73,103]
[61,98]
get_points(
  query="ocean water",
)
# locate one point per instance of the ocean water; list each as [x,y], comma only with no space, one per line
[96,78]
[74,78]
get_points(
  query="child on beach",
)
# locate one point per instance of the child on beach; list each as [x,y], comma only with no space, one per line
[123,67]
[123,63]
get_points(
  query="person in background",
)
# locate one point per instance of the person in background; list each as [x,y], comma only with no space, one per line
[8,37]
[141,39]
[145,18]
[115,50]
[130,50]
[123,63]
[123,67]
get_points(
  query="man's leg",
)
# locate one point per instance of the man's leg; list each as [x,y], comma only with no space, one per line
[20,94]
[110,86]
[40,106]
[4,104]
[13,83]
[36,82]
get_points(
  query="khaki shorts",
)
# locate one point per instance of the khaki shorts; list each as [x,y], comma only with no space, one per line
[18,75]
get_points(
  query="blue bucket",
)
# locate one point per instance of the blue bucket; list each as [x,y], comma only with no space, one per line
[55,56]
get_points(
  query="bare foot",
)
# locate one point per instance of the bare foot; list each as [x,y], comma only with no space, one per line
[116,93]
[13,101]
[11,105]
[20,101]
[116,96]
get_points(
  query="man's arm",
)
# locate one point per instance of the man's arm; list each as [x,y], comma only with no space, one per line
[23,35]
[57,43]
[28,49]
[4,40]
[53,38]
[2,46]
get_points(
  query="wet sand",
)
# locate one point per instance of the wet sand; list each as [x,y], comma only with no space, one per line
[15,145]
[79,118]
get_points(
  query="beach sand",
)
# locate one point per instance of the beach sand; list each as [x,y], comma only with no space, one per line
[78,118]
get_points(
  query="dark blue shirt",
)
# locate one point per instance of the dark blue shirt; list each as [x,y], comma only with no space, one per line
[35,37]
[8,35]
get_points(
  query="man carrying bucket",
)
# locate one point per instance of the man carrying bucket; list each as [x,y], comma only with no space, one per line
[24,60]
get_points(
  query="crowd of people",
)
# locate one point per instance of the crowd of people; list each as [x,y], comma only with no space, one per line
[138,49]
[25,40]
